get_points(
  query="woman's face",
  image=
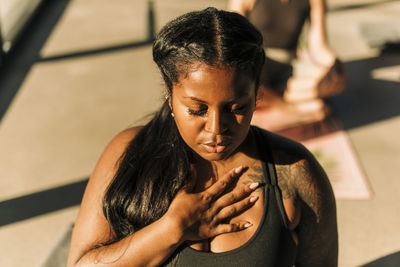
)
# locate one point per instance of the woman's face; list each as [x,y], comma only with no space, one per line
[213,107]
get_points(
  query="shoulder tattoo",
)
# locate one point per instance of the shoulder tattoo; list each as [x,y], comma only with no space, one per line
[255,175]
[286,175]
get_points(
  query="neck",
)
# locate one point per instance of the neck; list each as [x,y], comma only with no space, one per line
[208,172]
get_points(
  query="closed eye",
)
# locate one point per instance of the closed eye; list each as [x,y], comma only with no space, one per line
[197,112]
[239,110]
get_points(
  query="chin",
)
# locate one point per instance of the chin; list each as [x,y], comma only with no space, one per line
[214,156]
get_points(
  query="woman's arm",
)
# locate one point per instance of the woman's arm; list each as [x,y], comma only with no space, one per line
[317,229]
[240,6]
[191,216]
[91,227]
[319,50]
[328,76]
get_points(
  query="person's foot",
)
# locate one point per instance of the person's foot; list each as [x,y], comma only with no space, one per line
[280,117]
[320,82]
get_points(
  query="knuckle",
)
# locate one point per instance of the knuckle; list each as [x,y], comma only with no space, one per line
[215,209]
[223,182]
[246,190]
[209,219]
[246,202]
[206,197]
[241,205]
[232,210]
[235,227]
[230,228]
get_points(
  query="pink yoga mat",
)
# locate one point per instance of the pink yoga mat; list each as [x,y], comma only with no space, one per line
[331,146]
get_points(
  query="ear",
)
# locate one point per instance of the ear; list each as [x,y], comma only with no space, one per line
[168,97]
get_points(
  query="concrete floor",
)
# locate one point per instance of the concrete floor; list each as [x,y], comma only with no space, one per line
[83,72]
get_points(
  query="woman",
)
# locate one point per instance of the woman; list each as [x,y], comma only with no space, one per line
[197,185]
[293,99]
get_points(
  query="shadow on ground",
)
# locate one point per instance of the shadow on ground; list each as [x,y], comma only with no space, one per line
[392,260]
[26,51]
[366,99]
[16,67]
[39,203]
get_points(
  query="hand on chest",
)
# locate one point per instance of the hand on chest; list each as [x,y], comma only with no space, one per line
[253,215]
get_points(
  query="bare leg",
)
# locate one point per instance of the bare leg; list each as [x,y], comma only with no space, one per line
[273,113]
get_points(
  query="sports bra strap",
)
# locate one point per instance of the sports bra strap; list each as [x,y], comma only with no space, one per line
[270,171]
[261,143]
[271,165]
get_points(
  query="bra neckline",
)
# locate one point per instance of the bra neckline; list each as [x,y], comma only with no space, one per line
[248,242]
[267,186]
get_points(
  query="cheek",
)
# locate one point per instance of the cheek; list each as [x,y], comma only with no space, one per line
[243,121]
[189,127]
[246,118]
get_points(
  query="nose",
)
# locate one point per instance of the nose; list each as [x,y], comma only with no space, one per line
[215,123]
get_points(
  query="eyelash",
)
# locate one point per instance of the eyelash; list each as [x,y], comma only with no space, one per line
[237,111]
[197,112]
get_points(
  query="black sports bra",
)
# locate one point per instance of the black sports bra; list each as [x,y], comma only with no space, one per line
[271,245]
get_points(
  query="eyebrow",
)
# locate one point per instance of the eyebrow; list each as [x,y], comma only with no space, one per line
[205,102]
[195,99]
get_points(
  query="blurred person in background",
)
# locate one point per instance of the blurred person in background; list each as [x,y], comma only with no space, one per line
[285,99]
[197,185]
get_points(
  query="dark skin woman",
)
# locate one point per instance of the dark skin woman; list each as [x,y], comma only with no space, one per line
[197,185]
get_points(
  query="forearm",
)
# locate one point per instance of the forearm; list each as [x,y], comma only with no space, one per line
[319,50]
[240,6]
[150,246]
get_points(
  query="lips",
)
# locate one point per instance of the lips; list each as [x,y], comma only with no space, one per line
[213,147]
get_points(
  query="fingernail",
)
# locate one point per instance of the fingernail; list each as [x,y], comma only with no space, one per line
[247,225]
[238,169]
[253,199]
[254,186]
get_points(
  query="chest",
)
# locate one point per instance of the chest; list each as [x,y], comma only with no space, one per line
[269,243]
[234,240]
[253,215]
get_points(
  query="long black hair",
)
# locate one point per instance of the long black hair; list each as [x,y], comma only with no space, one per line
[156,164]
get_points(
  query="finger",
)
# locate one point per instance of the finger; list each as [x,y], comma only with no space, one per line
[219,187]
[234,209]
[233,227]
[234,196]
[191,183]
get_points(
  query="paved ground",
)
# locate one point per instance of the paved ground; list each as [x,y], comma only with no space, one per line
[83,72]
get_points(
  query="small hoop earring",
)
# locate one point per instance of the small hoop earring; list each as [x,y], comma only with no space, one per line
[172,114]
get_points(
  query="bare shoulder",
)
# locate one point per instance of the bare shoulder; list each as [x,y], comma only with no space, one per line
[305,184]
[296,166]
[122,139]
[107,165]
[91,227]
